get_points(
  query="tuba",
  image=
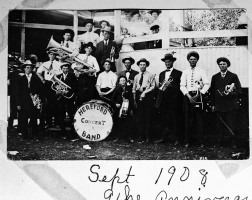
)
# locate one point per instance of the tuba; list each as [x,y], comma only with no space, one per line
[61,88]
[166,83]
[64,54]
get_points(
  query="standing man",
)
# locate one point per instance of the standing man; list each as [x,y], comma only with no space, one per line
[144,84]
[106,81]
[169,100]
[99,31]
[225,88]
[89,36]
[107,49]
[45,72]
[66,104]
[67,42]
[194,84]
[28,86]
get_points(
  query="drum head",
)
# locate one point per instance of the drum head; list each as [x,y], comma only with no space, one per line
[93,120]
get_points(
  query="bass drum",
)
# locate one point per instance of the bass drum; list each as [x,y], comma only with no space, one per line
[93,120]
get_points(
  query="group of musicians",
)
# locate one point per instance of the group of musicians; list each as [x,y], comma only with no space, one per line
[178,98]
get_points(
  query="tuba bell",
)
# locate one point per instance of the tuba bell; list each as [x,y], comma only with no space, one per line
[64,54]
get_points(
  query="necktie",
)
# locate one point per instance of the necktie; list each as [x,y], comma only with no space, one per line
[192,78]
[141,80]
[106,43]
[67,45]
[51,66]
[223,75]
[29,80]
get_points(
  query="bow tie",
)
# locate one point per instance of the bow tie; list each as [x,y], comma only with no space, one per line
[127,71]
[168,70]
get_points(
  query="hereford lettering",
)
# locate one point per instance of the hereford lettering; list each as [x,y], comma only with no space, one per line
[86,107]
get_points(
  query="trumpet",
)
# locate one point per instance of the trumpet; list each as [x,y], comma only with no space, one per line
[64,54]
[229,88]
[111,58]
[166,83]
[36,101]
[61,88]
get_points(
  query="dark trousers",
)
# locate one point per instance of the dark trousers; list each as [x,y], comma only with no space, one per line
[229,118]
[24,125]
[65,106]
[194,121]
[171,123]
[143,115]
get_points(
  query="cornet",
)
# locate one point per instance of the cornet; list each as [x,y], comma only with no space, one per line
[166,83]
[61,88]
[229,88]
[149,85]
[111,58]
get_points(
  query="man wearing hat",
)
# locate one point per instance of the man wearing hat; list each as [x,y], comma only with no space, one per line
[106,81]
[99,31]
[107,49]
[169,100]
[89,36]
[144,84]
[66,104]
[28,85]
[128,73]
[68,36]
[225,103]
[156,43]
[187,42]
[87,79]
[194,84]
[45,72]
[13,77]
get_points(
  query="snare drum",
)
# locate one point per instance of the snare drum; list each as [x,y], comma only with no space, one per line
[93,120]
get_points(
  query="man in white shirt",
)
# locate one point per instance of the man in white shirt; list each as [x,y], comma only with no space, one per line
[144,84]
[45,72]
[106,81]
[89,36]
[194,84]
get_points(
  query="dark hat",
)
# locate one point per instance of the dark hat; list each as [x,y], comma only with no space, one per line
[107,60]
[27,62]
[33,58]
[156,11]
[143,60]
[52,50]
[129,58]
[64,64]
[89,44]
[154,27]
[168,56]
[187,27]
[89,21]
[135,12]
[12,60]
[194,54]
[108,24]
[224,60]
[107,29]
[69,31]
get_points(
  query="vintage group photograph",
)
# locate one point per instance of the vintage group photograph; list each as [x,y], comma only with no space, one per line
[128,84]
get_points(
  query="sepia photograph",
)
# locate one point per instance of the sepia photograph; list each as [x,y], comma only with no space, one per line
[128,84]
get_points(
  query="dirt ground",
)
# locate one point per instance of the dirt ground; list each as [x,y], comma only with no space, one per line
[53,147]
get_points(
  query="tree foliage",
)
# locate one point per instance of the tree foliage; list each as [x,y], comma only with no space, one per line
[215,19]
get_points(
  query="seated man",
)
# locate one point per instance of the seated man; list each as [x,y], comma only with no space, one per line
[106,81]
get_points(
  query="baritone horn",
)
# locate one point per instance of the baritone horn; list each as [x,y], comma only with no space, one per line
[229,88]
[61,88]
[65,52]
[166,83]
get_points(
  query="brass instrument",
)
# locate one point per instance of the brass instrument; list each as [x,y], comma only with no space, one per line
[61,88]
[64,54]
[111,58]
[124,108]
[229,88]
[166,83]
[148,86]
[36,101]
[199,86]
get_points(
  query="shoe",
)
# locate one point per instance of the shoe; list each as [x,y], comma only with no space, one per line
[202,145]
[186,145]
[176,143]
[159,141]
